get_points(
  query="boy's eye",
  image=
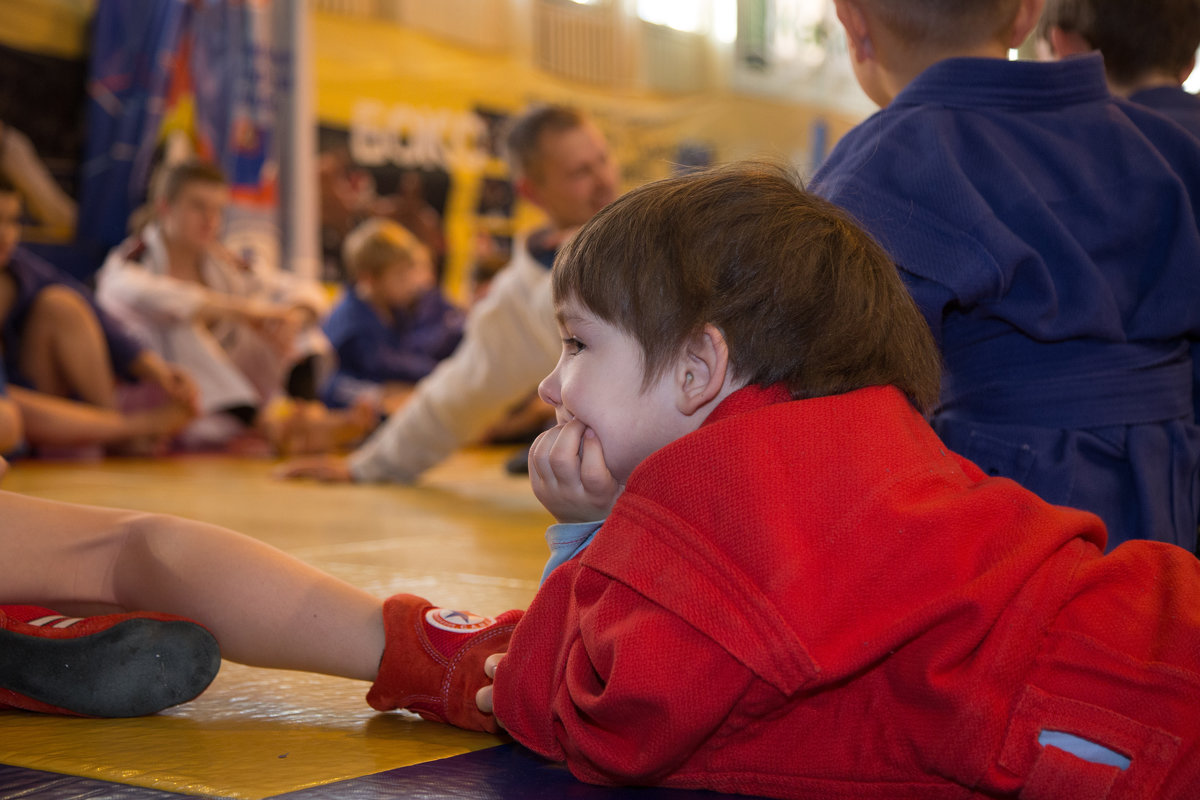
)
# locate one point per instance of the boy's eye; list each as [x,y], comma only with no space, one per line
[573,345]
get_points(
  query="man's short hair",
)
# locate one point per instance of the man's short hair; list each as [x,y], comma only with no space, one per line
[1136,38]
[525,134]
[173,179]
[375,245]
[945,23]
[802,294]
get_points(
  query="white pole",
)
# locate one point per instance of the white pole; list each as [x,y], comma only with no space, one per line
[298,185]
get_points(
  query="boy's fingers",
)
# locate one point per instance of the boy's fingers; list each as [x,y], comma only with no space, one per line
[593,472]
[483,699]
[564,455]
[544,443]
[489,666]
[539,453]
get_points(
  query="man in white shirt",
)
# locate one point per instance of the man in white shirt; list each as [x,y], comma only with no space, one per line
[562,165]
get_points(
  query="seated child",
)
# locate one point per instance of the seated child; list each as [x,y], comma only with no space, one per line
[246,333]
[393,325]
[1149,49]
[1049,232]
[65,356]
[797,590]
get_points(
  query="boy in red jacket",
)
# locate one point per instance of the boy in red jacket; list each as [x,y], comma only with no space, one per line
[797,591]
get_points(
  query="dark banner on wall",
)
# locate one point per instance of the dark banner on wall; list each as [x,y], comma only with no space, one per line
[354,188]
[175,78]
[41,132]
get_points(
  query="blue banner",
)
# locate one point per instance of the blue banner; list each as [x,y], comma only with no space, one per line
[134,45]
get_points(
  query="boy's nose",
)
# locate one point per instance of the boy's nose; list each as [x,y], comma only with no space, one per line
[548,389]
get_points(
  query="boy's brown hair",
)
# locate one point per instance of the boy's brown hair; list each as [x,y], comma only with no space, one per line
[525,134]
[377,244]
[801,293]
[1136,38]
[945,23]
[174,178]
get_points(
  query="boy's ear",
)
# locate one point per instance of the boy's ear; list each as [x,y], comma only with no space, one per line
[161,206]
[1188,70]
[1028,14]
[1067,43]
[858,31]
[364,285]
[700,374]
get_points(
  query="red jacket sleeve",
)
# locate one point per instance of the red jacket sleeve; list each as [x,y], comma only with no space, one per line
[621,689]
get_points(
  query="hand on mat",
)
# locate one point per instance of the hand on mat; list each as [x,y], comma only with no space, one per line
[569,476]
[330,469]
[483,698]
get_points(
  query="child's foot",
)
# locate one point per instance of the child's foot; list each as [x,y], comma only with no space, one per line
[167,419]
[303,428]
[117,665]
[433,661]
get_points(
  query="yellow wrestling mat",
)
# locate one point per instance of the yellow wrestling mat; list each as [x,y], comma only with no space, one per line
[254,734]
[470,536]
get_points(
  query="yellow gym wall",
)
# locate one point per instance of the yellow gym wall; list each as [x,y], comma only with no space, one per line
[414,96]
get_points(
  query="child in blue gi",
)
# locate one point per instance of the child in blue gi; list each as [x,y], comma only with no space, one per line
[1049,233]
[1149,48]
[393,325]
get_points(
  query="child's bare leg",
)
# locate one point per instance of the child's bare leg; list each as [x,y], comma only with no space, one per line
[264,607]
[12,430]
[63,350]
[58,422]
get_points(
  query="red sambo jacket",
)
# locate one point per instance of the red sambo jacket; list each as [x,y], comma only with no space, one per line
[815,599]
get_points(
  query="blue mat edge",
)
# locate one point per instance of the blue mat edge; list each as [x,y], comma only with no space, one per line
[505,772]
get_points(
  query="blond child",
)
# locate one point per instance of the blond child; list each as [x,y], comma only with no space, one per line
[393,325]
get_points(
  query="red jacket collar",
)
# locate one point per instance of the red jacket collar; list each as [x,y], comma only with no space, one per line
[749,398]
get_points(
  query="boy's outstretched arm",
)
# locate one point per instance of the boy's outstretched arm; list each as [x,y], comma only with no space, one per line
[569,475]
[621,689]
